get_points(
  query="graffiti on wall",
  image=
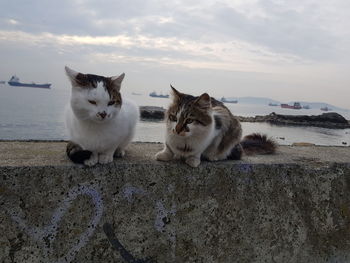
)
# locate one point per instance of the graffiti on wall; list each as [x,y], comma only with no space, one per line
[116,245]
[46,235]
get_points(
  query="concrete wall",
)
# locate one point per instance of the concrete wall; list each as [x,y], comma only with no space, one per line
[290,207]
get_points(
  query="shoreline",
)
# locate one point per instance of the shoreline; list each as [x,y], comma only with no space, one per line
[330,120]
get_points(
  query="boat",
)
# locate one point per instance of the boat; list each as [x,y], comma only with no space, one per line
[306,107]
[136,94]
[325,108]
[223,99]
[296,106]
[155,95]
[14,81]
[2,82]
[273,104]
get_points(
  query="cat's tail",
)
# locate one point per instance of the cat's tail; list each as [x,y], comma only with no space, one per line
[76,154]
[255,143]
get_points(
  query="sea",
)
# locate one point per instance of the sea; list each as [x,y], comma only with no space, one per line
[38,114]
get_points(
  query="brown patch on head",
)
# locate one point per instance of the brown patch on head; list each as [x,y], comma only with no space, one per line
[112,85]
[88,80]
[198,109]
[82,81]
[192,109]
[113,92]
[203,101]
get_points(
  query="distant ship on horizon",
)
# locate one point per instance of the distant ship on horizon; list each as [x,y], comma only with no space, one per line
[155,95]
[325,108]
[296,106]
[14,81]
[223,99]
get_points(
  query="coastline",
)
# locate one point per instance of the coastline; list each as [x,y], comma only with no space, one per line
[330,120]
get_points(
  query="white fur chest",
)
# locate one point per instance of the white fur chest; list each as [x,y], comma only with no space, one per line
[195,144]
[94,137]
[101,137]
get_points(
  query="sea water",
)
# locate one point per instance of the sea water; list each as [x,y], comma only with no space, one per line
[38,114]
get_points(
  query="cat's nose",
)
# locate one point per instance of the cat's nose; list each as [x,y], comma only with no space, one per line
[102,114]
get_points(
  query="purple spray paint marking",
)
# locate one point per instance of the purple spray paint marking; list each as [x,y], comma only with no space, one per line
[47,234]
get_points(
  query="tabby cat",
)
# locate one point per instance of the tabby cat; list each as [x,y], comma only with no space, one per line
[204,128]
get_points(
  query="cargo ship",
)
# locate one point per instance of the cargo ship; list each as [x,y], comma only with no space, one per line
[325,108]
[14,81]
[296,106]
[223,99]
[155,95]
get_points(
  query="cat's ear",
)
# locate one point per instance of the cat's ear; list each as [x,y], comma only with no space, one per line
[176,94]
[117,81]
[204,101]
[72,75]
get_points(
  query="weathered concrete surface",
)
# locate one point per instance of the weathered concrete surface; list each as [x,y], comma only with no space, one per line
[290,207]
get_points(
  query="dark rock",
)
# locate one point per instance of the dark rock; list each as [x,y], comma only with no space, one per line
[152,112]
[330,120]
[332,117]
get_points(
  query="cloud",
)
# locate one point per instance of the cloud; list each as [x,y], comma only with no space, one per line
[231,55]
[12,22]
[304,40]
[308,29]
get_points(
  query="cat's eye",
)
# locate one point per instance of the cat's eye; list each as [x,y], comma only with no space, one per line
[189,120]
[92,102]
[112,102]
[172,117]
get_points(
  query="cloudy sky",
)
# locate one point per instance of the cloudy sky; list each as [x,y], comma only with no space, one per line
[286,50]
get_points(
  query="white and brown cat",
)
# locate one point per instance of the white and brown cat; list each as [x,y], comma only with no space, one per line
[99,120]
[203,128]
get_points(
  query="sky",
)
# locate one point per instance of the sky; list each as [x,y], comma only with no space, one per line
[286,50]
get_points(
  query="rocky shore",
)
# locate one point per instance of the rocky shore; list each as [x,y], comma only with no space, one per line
[152,113]
[329,120]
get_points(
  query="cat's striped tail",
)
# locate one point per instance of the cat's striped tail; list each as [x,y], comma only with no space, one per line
[76,154]
[255,143]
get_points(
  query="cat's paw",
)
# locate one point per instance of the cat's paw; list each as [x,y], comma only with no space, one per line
[93,160]
[193,161]
[119,153]
[105,158]
[164,156]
